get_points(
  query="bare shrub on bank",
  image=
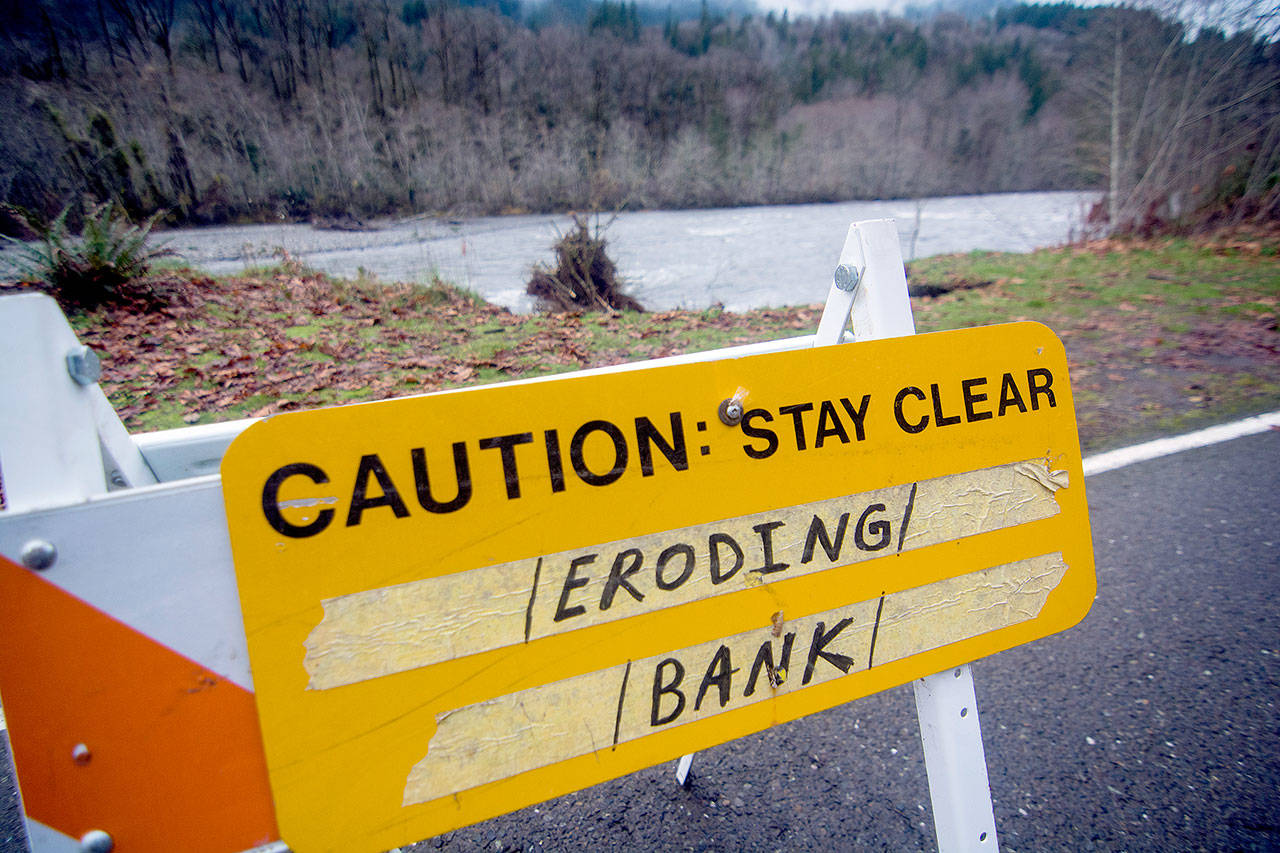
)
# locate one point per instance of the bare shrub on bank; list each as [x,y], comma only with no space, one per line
[583,279]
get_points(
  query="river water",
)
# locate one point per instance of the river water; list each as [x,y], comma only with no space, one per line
[742,258]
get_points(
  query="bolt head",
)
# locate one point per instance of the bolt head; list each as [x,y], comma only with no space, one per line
[80,754]
[730,412]
[96,841]
[84,365]
[38,554]
[847,277]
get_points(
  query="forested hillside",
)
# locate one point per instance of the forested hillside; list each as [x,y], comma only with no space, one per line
[217,110]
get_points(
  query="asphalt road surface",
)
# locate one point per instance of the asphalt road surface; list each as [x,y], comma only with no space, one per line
[1149,726]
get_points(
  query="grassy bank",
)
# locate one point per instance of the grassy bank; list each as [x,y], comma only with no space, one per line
[1162,335]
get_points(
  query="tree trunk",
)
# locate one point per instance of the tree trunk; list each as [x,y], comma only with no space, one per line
[1113,194]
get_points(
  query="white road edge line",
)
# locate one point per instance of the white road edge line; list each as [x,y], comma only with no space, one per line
[1123,456]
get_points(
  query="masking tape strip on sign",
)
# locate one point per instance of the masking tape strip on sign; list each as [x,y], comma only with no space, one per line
[383,631]
[522,731]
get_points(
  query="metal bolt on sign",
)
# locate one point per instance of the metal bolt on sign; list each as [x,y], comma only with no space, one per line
[84,365]
[731,411]
[39,554]
[80,754]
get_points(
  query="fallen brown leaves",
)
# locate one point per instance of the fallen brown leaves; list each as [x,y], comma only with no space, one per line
[254,346]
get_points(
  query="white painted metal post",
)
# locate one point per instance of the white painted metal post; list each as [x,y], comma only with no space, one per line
[49,452]
[959,789]
[945,703]
[60,440]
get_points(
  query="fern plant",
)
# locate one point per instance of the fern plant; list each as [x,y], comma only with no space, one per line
[107,264]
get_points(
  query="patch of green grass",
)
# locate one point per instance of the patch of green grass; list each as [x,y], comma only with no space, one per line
[1178,279]
[167,414]
[308,330]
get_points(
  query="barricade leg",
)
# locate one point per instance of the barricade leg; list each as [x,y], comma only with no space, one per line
[959,790]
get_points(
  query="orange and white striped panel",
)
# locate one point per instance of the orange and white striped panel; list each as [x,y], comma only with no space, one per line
[124,677]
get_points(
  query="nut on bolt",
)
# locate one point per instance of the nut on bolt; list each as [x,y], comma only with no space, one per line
[847,277]
[83,365]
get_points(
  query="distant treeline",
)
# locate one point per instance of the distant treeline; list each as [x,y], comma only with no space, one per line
[220,110]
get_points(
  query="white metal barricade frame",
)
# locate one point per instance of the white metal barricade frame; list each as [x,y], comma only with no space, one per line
[108,518]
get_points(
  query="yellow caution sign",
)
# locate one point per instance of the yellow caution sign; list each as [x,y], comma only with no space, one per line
[464,603]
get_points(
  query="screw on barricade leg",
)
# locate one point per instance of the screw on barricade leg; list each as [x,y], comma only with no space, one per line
[952,737]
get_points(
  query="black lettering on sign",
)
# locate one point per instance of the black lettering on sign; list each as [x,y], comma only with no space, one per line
[906,516]
[876,528]
[972,398]
[940,419]
[622,697]
[714,541]
[667,556]
[619,453]
[533,595]
[829,425]
[766,544]
[720,675]
[817,649]
[572,582]
[770,437]
[1043,386]
[661,688]
[271,501]
[907,426]
[875,629]
[818,536]
[555,466]
[648,436]
[506,446]
[626,564]
[797,411]
[764,658]
[371,466]
[1010,395]
[859,414]
[461,471]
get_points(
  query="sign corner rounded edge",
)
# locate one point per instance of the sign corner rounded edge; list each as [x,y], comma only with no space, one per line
[248,438]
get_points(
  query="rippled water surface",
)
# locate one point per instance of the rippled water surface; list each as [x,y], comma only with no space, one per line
[743,258]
